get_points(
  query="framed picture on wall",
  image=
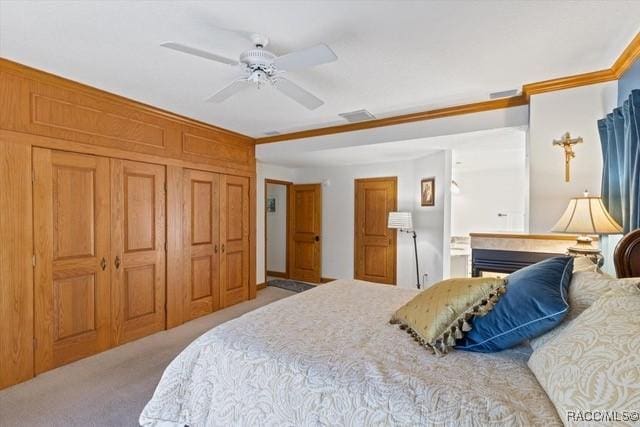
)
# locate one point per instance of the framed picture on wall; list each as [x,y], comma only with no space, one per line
[271,205]
[428,191]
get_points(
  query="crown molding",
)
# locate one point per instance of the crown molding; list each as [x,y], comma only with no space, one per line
[568,82]
[627,58]
[456,110]
[624,61]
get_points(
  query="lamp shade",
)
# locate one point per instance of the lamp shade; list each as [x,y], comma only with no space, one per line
[586,215]
[400,220]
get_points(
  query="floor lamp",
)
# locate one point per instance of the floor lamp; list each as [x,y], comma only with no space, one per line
[402,221]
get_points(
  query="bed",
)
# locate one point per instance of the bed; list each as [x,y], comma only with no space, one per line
[329,356]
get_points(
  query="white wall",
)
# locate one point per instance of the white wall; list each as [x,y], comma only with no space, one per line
[483,195]
[277,229]
[338,214]
[433,223]
[552,114]
[264,170]
[338,193]
[492,178]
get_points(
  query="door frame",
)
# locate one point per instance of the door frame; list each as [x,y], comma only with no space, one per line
[287,185]
[355,216]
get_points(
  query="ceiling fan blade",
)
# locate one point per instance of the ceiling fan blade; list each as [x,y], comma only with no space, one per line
[298,94]
[305,58]
[199,52]
[241,33]
[229,90]
[254,38]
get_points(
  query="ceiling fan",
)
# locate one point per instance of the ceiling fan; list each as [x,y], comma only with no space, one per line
[259,66]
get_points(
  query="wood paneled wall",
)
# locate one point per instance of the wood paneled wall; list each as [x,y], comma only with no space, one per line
[38,109]
[16,272]
[38,103]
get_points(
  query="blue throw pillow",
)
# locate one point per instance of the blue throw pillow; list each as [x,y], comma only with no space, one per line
[534,303]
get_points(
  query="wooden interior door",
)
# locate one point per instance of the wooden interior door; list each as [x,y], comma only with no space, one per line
[72,287]
[305,228]
[137,249]
[234,239]
[201,243]
[375,244]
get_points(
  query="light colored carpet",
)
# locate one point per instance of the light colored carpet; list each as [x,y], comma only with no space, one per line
[111,388]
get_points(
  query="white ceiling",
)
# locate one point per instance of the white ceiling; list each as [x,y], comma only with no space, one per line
[471,151]
[394,57]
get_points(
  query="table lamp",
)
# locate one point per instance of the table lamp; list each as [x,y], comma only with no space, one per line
[586,216]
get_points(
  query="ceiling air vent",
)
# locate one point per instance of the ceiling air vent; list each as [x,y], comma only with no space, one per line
[503,94]
[357,116]
[272,133]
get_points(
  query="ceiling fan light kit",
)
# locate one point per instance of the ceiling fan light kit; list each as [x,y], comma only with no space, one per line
[260,67]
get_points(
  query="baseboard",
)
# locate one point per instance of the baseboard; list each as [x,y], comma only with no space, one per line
[277,274]
[326,280]
[261,286]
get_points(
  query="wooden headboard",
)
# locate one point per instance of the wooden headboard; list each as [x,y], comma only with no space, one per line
[627,255]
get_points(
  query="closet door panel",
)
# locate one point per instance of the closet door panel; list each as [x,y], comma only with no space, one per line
[234,238]
[175,294]
[201,243]
[137,250]
[72,288]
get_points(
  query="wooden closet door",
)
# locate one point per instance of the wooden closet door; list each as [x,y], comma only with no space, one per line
[201,243]
[305,228]
[234,239]
[137,249]
[375,243]
[71,241]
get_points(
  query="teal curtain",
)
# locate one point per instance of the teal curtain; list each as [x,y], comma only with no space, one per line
[619,135]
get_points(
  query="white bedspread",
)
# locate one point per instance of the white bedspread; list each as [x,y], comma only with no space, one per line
[328,356]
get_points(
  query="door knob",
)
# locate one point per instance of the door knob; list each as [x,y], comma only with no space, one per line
[103,263]
[317,238]
[215,249]
[117,262]
[222,248]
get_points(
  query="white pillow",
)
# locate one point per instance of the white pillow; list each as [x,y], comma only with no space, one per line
[594,363]
[585,288]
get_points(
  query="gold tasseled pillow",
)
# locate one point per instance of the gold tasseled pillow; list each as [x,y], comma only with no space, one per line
[439,315]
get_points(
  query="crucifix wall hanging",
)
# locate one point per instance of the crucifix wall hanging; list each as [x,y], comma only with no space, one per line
[567,144]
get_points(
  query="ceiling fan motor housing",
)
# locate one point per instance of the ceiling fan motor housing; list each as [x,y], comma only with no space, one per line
[257,57]
[259,65]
